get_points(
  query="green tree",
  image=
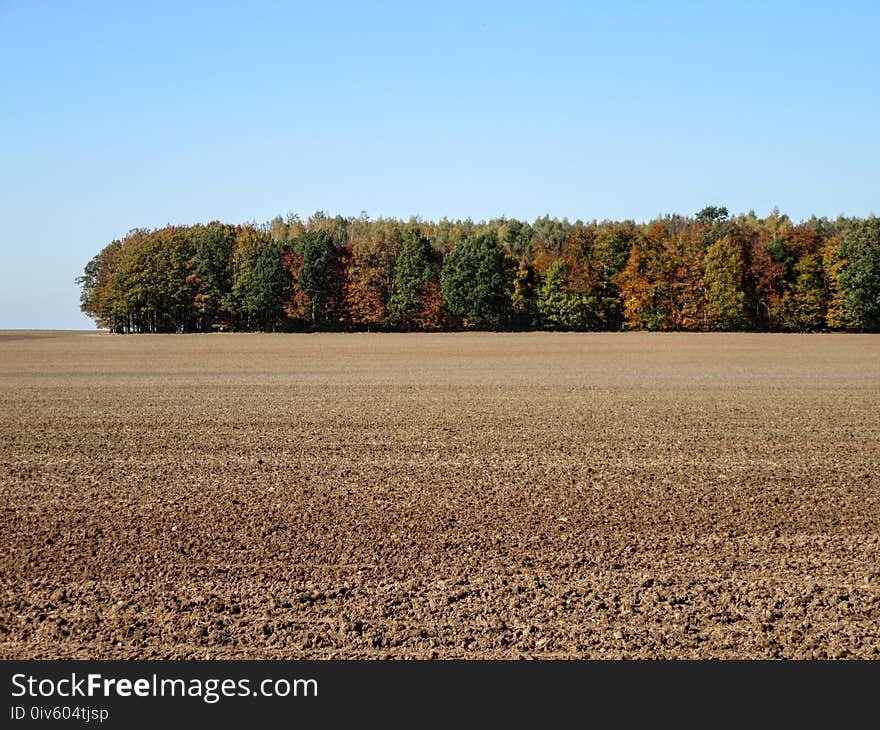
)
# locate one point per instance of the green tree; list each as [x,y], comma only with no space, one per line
[250,242]
[413,271]
[314,279]
[213,246]
[264,288]
[712,215]
[781,252]
[560,305]
[515,236]
[473,283]
[860,275]
[612,244]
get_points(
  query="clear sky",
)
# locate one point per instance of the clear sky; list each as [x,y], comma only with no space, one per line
[121,115]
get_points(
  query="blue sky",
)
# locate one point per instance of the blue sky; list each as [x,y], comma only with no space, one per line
[121,115]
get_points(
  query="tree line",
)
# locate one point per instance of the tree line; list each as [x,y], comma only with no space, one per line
[710,271]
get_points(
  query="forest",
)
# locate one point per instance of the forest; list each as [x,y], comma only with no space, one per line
[711,271]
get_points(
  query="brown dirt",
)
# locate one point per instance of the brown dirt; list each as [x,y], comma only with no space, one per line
[455,495]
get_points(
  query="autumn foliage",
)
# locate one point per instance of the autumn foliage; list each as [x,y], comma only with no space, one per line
[707,272]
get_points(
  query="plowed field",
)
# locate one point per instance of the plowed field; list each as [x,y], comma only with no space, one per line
[451,495]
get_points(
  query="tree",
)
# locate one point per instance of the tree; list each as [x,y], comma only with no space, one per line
[725,269]
[213,246]
[712,215]
[560,304]
[860,274]
[311,268]
[472,282]
[710,271]
[151,289]
[250,242]
[770,262]
[685,288]
[522,293]
[262,293]
[612,244]
[414,272]
[97,295]
[570,291]
[805,305]
[837,315]
[278,229]
[782,253]
[515,236]
[645,282]
[370,274]
[550,233]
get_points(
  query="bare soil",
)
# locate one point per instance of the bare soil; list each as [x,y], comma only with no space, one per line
[452,495]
